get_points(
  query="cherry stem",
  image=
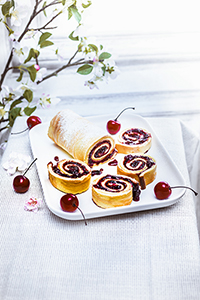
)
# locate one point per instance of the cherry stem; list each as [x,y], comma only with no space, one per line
[123,111]
[186,187]
[20,131]
[29,166]
[81,212]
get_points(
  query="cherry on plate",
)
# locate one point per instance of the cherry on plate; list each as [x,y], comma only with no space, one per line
[114,126]
[69,203]
[163,190]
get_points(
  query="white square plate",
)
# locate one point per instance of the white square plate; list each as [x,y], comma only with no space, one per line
[45,151]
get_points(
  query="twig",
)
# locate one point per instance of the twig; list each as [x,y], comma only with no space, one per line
[48,5]
[35,13]
[3,128]
[42,28]
[30,20]
[6,68]
[68,65]
[4,120]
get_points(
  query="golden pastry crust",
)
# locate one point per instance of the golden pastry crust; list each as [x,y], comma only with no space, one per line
[141,167]
[70,176]
[81,138]
[114,191]
[134,140]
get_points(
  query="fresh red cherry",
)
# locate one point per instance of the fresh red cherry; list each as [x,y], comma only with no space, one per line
[70,203]
[31,122]
[21,183]
[163,190]
[113,126]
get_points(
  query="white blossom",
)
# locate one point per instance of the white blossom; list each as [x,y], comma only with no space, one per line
[40,74]
[91,84]
[8,90]
[46,100]
[17,14]
[97,69]
[16,162]
[112,71]
[20,51]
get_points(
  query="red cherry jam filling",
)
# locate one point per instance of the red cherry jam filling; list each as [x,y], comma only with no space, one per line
[135,136]
[115,183]
[113,162]
[101,149]
[133,162]
[97,172]
[73,170]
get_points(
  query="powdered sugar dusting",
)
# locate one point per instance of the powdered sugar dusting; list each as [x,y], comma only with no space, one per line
[73,127]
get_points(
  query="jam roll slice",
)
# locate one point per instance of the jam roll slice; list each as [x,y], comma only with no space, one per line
[140,167]
[81,138]
[133,140]
[113,190]
[70,176]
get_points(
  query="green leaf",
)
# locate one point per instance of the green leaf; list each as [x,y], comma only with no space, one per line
[86,5]
[104,70]
[93,47]
[6,7]
[15,103]
[69,13]
[85,69]
[44,36]
[28,95]
[80,47]
[46,44]
[44,11]
[33,53]
[29,110]
[75,13]
[9,29]
[32,72]
[104,55]
[13,114]
[20,76]
[73,38]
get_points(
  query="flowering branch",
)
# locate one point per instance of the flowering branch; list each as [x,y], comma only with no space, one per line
[92,60]
[69,64]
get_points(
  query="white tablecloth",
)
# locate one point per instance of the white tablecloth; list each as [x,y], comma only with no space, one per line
[144,255]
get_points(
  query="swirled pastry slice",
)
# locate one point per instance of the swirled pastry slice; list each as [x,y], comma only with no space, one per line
[114,190]
[81,138]
[70,176]
[140,167]
[134,140]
